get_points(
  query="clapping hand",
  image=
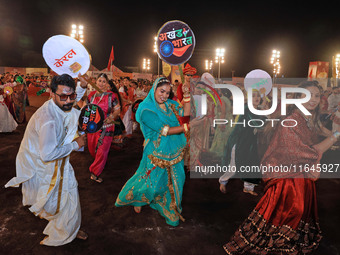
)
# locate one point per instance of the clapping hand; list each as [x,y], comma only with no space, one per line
[83,81]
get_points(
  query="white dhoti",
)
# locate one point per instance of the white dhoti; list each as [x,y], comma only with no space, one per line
[54,198]
[128,122]
[47,177]
[7,122]
[56,202]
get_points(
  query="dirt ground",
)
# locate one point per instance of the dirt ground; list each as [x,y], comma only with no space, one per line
[211,217]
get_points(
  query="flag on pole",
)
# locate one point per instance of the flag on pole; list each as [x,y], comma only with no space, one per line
[110,60]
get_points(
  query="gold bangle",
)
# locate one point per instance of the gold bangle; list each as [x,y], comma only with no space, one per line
[335,136]
[185,126]
[186,100]
[185,89]
[333,139]
[165,130]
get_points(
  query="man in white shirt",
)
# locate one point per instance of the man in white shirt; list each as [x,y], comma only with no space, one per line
[48,182]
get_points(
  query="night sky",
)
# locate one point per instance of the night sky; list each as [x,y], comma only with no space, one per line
[302,31]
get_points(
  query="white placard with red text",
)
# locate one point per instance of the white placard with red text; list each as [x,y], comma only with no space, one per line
[64,54]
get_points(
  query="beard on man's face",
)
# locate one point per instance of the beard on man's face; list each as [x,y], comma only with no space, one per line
[65,107]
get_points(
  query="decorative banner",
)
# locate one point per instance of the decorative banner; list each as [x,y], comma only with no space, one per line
[20,70]
[313,67]
[175,73]
[259,80]
[166,69]
[91,118]
[175,42]
[319,71]
[64,54]
[36,71]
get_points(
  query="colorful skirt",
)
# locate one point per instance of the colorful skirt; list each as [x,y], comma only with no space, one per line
[159,187]
[285,221]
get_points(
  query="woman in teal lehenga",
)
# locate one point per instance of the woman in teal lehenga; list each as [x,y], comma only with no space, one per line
[160,177]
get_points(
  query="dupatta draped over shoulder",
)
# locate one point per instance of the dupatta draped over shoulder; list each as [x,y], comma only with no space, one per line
[160,176]
[153,119]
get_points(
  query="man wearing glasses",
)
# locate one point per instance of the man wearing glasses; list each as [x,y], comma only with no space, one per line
[48,182]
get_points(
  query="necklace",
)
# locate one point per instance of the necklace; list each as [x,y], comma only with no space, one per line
[93,98]
[309,122]
[162,106]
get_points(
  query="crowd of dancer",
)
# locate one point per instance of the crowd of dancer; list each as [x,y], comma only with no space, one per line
[285,220]
[13,101]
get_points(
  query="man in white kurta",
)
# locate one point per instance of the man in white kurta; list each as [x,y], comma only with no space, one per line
[42,164]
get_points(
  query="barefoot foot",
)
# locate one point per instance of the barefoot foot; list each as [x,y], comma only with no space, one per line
[223,188]
[251,192]
[82,235]
[137,209]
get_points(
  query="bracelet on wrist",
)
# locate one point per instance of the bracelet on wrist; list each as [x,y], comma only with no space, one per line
[185,89]
[185,126]
[335,135]
[165,130]
[186,100]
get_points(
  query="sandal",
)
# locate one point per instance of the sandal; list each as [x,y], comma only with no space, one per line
[82,235]
[96,178]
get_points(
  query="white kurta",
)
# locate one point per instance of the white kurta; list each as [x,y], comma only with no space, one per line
[128,122]
[47,177]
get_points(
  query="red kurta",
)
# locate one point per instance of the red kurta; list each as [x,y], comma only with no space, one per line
[125,105]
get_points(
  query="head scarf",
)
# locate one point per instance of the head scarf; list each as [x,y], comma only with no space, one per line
[169,146]
[151,104]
